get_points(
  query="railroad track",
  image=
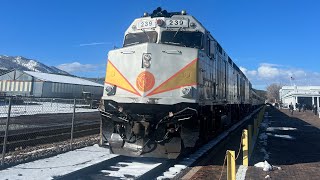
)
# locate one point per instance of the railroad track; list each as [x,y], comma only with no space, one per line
[48,135]
[121,167]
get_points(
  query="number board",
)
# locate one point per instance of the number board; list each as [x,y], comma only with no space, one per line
[145,24]
[177,23]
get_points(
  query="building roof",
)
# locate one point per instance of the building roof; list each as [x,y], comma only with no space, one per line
[61,78]
[301,87]
[304,91]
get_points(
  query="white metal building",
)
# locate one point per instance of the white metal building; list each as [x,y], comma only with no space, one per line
[308,95]
[29,83]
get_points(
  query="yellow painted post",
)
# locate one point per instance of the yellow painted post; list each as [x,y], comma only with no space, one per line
[245,148]
[231,165]
[250,139]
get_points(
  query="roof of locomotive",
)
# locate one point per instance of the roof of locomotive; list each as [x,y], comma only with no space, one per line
[192,24]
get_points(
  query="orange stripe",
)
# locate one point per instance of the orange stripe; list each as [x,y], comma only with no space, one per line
[155,90]
[172,89]
[123,88]
[135,91]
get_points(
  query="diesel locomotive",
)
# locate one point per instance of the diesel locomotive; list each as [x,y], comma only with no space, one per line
[171,87]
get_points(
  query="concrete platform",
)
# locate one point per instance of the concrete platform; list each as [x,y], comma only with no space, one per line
[293,144]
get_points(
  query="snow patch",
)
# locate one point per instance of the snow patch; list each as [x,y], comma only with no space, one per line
[264,151]
[133,168]
[263,136]
[59,165]
[281,128]
[264,125]
[264,165]
[241,173]
[41,108]
[284,136]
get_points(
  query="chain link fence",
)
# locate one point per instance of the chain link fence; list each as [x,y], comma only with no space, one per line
[26,122]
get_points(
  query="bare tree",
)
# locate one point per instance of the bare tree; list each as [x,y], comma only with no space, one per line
[273,92]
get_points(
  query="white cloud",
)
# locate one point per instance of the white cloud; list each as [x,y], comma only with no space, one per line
[270,64]
[243,69]
[94,43]
[78,67]
[268,73]
[247,72]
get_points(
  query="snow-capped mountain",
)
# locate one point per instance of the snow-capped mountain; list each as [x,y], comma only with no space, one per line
[25,64]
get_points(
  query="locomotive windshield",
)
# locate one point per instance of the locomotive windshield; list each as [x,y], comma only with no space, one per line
[141,37]
[182,38]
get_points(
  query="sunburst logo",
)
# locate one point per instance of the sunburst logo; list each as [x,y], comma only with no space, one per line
[145,81]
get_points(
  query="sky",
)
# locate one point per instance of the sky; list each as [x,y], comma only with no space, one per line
[272,41]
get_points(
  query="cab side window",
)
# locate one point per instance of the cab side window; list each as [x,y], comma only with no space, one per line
[210,50]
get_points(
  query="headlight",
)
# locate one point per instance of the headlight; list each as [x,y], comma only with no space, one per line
[146,60]
[111,90]
[186,92]
[160,22]
[193,25]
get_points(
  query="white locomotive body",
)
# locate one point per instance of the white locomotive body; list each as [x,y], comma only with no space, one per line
[170,87]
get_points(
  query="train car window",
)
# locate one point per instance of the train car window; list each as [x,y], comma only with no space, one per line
[182,38]
[229,60]
[208,47]
[142,37]
[236,68]
[219,48]
[212,49]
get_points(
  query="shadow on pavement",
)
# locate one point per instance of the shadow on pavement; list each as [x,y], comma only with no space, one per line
[291,140]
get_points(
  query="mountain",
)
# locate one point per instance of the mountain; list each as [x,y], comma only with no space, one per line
[99,80]
[261,93]
[25,64]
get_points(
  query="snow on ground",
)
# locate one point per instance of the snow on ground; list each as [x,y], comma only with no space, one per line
[283,136]
[264,140]
[132,168]
[281,128]
[42,108]
[264,165]
[59,165]
[263,136]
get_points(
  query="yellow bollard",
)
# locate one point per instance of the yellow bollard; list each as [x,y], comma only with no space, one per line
[250,140]
[245,148]
[231,165]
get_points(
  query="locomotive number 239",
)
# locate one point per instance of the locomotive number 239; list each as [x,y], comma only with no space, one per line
[146,24]
[177,23]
